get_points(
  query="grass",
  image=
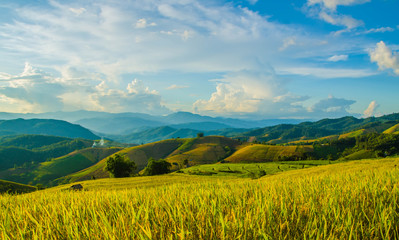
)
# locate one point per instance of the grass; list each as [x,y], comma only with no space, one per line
[353,200]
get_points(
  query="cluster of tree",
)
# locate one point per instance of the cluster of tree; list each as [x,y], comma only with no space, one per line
[121,166]
[157,167]
[382,144]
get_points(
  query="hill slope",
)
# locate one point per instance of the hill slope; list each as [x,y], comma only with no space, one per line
[12,187]
[138,154]
[267,153]
[48,171]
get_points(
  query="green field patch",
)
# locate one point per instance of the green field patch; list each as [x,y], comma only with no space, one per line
[251,170]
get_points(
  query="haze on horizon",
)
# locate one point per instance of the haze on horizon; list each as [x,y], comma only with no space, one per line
[256,59]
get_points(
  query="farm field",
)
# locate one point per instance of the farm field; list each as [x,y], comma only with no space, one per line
[350,200]
[252,170]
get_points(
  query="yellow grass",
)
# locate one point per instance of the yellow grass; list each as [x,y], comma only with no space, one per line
[352,134]
[354,200]
[393,130]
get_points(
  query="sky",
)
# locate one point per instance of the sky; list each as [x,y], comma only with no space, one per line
[258,59]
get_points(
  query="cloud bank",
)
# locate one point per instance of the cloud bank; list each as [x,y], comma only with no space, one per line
[36,91]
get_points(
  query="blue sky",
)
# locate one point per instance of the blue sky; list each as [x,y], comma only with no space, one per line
[250,59]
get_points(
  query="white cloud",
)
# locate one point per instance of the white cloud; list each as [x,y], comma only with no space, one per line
[251,93]
[253,2]
[384,57]
[380,30]
[326,10]
[332,4]
[332,107]
[142,23]
[174,86]
[287,43]
[337,58]
[326,73]
[77,11]
[371,109]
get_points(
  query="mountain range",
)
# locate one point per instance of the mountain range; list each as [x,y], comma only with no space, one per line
[126,123]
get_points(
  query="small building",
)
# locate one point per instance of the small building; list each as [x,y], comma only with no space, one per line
[76,187]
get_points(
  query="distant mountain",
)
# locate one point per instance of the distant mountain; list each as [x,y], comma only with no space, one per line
[117,125]
[167,132]
[45,127]
[310,130]
[201,126]
[156,134]
[186,117]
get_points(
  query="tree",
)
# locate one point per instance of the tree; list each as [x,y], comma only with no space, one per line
[157,167]
[120,166]
[185,162]
[200,134]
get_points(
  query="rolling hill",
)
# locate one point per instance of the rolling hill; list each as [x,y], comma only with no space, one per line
[195,151]
[139,154]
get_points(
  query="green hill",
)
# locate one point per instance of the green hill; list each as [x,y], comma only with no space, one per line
[30,141]
[45,127]
[13,157]
[48,171]
[12,187]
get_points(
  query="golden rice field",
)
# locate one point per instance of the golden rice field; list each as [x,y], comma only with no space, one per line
[353,200]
